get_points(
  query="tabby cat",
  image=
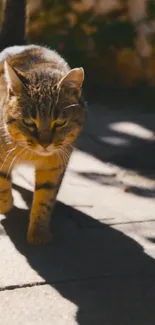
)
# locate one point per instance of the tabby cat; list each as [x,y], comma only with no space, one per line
[41,115]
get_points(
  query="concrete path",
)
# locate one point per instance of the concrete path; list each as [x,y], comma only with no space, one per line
[100,267]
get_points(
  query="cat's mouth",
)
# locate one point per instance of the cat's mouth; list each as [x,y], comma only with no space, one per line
[39,150]
[50,150]
[44,153]
[62,151]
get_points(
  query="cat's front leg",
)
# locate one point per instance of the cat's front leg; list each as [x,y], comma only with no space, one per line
[46,187]
[6,200]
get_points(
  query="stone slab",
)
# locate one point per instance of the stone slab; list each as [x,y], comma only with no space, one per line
[97,228]
[111,301]
[76,252]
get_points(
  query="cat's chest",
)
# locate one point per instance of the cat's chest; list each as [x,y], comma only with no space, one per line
[12,156]
[39,162]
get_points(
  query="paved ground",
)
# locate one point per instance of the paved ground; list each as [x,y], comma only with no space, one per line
[100,267]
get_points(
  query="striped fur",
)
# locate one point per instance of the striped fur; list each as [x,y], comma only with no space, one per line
[41,115]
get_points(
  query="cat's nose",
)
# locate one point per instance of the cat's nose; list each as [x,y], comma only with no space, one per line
[45,145]
[45,139]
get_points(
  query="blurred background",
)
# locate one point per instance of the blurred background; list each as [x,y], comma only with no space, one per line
[114,40]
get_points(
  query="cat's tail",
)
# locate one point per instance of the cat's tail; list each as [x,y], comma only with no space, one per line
[13,31]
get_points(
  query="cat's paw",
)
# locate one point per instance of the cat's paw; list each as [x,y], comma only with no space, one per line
[6,204]
[37,235]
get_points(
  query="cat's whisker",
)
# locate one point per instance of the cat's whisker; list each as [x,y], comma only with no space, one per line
[11,150]
[61,158]
[32,153]
[66,151]
[57,156]
[13,160]
[29,153]
[20,159]
[60,161]
[25,153]
[68,145]
[72,105]
[7,156]
[65,156]
[57,100]
[23,144]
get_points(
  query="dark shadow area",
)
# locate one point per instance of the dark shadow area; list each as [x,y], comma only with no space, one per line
[152,240]
[111,180]
[120,148]
[140,98]
[139,157]
[141,191]
[105,273]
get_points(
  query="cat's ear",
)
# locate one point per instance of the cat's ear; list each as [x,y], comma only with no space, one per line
[13,79]
[74,78]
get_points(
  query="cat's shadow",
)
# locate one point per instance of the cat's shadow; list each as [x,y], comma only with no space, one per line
[105,273]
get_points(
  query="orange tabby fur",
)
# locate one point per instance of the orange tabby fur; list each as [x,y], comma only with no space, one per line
[41,115]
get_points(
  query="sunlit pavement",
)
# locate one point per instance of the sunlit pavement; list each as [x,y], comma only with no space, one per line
[100,266]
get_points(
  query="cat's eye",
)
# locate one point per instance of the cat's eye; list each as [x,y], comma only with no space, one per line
[29,124]
[60,124]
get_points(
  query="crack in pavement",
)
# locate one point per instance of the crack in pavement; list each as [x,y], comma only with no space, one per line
[76,280]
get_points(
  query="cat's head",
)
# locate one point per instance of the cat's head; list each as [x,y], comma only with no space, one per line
[44,110]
